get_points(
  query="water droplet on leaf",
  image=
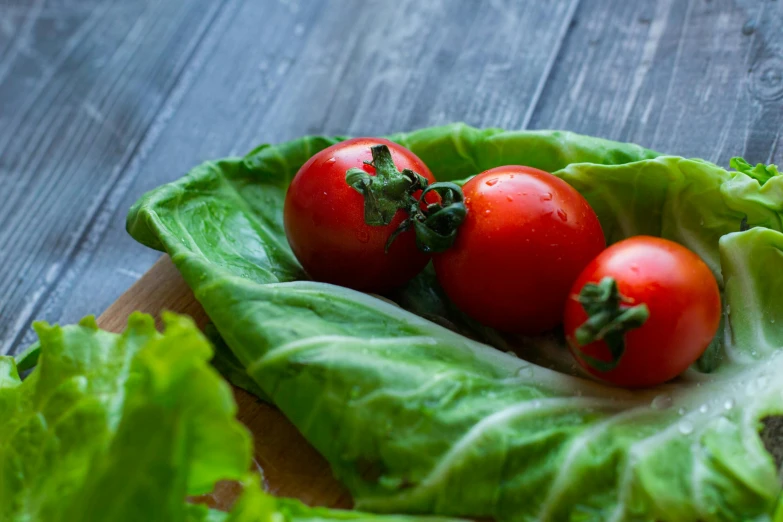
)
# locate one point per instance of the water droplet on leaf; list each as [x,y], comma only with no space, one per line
[661,402]
[685,427]
[704,408]
[681,411]
[525,371]
[729,404]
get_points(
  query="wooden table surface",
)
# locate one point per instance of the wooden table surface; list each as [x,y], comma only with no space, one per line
[101,101]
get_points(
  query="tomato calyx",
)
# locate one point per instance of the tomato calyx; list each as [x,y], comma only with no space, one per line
[391,190]
[437,224]
[388,191]
[610,316]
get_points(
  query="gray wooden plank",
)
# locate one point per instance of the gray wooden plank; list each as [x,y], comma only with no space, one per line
[273,71]
[483,63]
[80,85]
[695,78]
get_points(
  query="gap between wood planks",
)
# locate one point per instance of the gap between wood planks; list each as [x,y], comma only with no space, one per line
[94,224]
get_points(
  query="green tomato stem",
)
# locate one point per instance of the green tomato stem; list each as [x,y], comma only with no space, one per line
[390,190]
[609,317]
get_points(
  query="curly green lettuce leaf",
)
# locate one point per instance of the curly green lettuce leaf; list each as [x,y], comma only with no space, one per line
[415,417]
[116,427]
[760,172]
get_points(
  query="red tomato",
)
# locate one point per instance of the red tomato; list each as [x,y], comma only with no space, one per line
[526,237]
[683,303]
[324,221]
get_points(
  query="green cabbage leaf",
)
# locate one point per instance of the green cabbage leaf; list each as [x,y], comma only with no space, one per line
[420,410]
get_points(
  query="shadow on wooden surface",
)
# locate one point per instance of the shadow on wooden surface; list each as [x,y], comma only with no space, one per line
[291,467]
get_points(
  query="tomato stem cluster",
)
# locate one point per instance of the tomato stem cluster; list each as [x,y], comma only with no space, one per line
[610,316]
[390,190]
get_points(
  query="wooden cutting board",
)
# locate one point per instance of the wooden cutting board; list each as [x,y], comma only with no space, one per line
[290,466]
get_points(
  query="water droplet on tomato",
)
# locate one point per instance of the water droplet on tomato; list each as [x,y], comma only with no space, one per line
[562,214]
[546,197]
[491,182]
[331,160]
[487,212]
[509,198]
[467,201]
[363,236]
[634,267]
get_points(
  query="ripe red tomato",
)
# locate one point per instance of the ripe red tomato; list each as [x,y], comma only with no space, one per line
[683,311]
[526,237]
[324,221]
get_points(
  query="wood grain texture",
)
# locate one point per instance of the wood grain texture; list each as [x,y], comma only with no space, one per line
[274,70]
[290,466]
[80,85]
[697,78]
